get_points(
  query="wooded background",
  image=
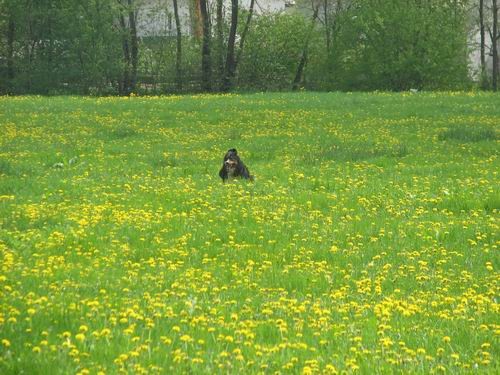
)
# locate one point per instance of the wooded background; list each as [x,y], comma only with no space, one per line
[105,47]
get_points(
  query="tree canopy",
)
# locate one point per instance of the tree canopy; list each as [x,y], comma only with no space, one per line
[104,47]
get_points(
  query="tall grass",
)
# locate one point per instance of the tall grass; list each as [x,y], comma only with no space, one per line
[368,241]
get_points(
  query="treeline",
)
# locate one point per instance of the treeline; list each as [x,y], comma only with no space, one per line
[105,47]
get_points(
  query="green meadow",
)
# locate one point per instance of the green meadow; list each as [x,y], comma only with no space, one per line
[367,243]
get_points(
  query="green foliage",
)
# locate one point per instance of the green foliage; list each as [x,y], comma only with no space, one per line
[272,52]
[396,45]
[74,46]
[157,65]
[68,47]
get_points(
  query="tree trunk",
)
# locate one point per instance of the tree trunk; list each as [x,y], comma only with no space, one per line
[220,40]
[206,63]
[11,30]
[494,40]
[482,44]
[303,59]
[230,59]
[244,33]
[134,45]
[178,55]
[125,83]
[196,17]
[50,51]
[327,27]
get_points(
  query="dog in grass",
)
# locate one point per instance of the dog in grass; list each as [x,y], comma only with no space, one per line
[233,167]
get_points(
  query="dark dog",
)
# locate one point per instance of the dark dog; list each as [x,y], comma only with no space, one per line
[233,167]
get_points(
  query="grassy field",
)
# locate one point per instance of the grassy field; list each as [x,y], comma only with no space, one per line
[368,241]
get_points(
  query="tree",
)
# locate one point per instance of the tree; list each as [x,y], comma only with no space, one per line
[233,57]
[220,39]
[230,59]
[482,44]
[94,46]
[495,36]
[178,55]
[332,9]
[206,63]
[303,59]
[11,32]
[244,33]
[130,46]
[399,45]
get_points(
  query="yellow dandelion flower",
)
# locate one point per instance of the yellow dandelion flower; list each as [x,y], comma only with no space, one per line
[330,369]
[83,328]
[105,332]
[186,338]
[80,337]
[485,345]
